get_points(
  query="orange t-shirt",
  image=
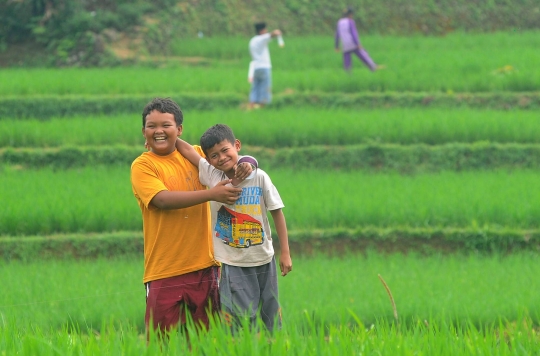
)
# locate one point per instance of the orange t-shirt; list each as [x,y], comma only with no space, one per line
[176,241]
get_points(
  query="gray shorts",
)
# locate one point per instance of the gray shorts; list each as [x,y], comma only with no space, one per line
[248,291]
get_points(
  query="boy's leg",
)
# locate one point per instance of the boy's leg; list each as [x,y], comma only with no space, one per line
[202,297]
[261,87]
[239,293]
[167,299]
[364,57]
[270,308]
[162,300]
[253,97]
[266,87]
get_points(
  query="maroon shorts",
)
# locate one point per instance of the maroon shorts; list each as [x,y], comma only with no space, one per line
[168,299]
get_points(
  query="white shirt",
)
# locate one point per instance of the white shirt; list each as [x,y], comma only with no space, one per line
[260,55]
[241,232]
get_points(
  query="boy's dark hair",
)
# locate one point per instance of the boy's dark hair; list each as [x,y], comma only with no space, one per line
[259,26]
[348,11]
[163,105]
[215,135]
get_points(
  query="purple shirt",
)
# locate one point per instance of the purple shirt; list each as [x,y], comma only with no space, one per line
[347,34]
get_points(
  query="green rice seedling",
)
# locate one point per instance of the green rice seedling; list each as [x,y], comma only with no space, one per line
[89,199]
[99,199]
[331,305]
[345,199]
[85,293]
[440,338]
[458,62]
[83,131]
[305,127]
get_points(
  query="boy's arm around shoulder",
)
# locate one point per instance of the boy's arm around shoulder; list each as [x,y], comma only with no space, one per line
[188,152]
[168,200]
[285,261]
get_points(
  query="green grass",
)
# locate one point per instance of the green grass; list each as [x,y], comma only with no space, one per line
[447,305]
[291,127]
[453,288]
[459,62]
[346,199]
[333,305]
[89,199]
[440,338]
[99,199]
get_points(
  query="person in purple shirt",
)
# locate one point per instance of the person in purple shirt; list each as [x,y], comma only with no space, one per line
[347,34]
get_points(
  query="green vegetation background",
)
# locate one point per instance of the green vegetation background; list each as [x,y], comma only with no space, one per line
[442,158]
[85,33]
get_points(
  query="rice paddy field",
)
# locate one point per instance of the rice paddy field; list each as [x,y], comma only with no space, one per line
[469,302]
[442,303]
[311,126]
[459,62]
[72,201]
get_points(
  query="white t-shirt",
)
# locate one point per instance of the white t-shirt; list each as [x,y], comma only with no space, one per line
[260,55]
[241,232]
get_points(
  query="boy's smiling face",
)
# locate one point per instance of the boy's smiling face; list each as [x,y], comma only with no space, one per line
[224,156]
[161,132]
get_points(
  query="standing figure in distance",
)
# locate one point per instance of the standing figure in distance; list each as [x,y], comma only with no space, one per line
[260,68]
[347,34]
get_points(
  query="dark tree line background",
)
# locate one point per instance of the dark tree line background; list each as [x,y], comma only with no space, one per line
[77,32]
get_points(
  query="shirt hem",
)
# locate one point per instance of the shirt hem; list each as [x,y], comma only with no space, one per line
[179,273]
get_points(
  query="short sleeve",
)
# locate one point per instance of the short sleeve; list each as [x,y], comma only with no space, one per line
[145,182]
[271,196]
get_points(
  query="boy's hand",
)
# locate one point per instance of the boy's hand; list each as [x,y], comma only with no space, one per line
[246,165]
[224,193]
[243,170]
[285,264]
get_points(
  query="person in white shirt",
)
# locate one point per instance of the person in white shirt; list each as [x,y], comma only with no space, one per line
[260,68]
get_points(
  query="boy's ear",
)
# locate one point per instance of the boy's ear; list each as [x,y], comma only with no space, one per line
[237,145]
[180,129]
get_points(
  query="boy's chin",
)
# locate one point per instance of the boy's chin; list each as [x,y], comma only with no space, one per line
[162,151]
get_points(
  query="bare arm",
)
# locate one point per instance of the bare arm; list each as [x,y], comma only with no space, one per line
[188,152]
[222,193]
[242,170]
[285,261]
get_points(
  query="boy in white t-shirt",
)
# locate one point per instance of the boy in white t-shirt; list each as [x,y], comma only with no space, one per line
[241,231]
